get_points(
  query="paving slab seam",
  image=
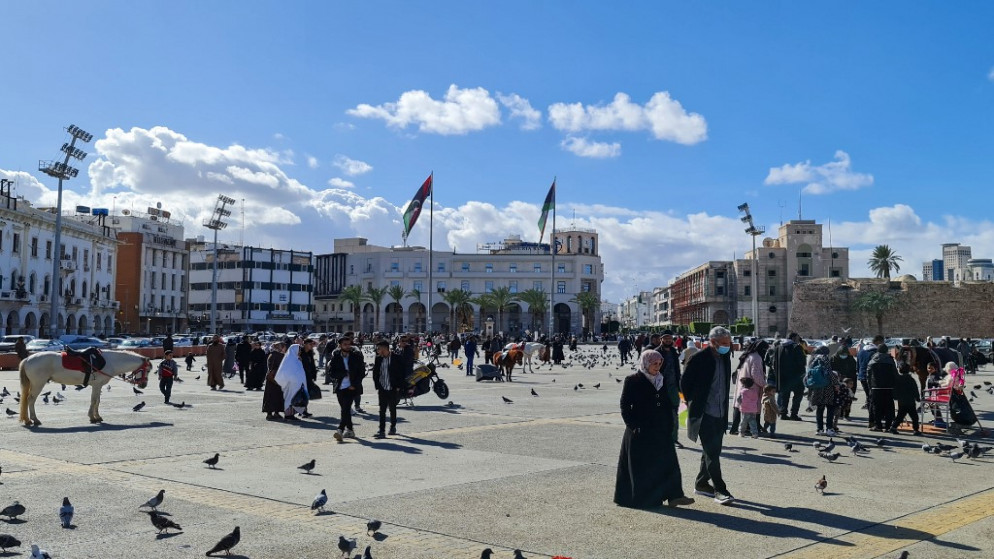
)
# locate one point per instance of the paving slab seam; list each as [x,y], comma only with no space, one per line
[863,543]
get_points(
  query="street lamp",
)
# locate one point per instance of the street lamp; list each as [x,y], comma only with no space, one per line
[63,172]
[216,222]
[754,232]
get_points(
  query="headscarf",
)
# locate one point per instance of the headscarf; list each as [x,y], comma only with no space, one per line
[290,376]
[646,358]
[758,345]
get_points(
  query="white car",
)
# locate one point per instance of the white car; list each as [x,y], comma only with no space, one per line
[40,344]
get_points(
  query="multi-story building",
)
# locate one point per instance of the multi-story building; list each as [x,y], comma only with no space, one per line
[85,281]
[151,272]
[933,270]
[955,258]
[635,312]
[258,289]
[660,306]
[330,313]
[979,269]
[514,264]
[704,294]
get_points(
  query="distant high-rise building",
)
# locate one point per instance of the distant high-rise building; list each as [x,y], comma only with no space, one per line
[954,261]
[933,271]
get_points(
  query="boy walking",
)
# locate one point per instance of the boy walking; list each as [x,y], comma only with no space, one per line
[906,394]
[388,376]
[168,369]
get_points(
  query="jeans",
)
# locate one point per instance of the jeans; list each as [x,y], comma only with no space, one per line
[469,364]
[166,387]
[345,399]
[783,397]
[820,417]
[388,401]
[711,434]
[883,404]
[911,411]
[750,421]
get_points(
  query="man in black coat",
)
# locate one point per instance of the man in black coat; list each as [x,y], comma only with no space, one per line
[389,378]
[348,369]
[243,356]
[882,372]
[705,386]
[789,366]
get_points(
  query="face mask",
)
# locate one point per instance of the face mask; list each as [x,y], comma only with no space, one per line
[723,349]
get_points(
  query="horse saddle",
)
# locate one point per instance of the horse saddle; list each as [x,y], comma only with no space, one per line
[84,361]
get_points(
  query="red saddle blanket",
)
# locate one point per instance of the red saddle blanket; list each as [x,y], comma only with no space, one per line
[72,362]
[77,362]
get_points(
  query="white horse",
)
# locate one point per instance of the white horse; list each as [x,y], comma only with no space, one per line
[40,368]
[530,348]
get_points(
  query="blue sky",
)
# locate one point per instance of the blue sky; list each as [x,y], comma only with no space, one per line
[876,110]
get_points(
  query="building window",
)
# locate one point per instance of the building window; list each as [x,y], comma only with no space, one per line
[351,269]
[418,286]
[803,271]
[488,287]
[441,266]
[561,268]
[440,287]
[48,250]
[513,268]
[465,266]
[395,266]
[560,287]
[771,273]
[719,274]
[109,258]
[719,290]
[490,268]
[773,291]
[537,285]
[748,290]
[537,268]
[836,273]
[746,273]
[394,283]
[34,247]
[417,266]
[369,265]
[586,287]
[16,248]
[464,285]
[588,269]
[513,286]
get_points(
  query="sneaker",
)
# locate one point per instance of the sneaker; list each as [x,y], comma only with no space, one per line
[306,414]
[379,435]
[756,436]
[830,432]
[678,444]
[876,429]
[809,409]
[338,436]
[863,407]
[359,410]
[795,418]
[820,433]
[393,429]
[705,490]
[679,502]
[723,498]
[917,433]
[350,434]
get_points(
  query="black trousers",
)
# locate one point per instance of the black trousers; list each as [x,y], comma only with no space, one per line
[243,368]
[166,387]
[872,417]
[345,399]
[903,411]
[711,434]
[883,404]
[783,397]
[388,401]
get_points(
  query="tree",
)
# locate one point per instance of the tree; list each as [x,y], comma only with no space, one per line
[588,303]
[353,294]
[501,298]
[883,260]
[457,300]
[396,292]
[538,305]
[876,303]
[485,302]
[376,295]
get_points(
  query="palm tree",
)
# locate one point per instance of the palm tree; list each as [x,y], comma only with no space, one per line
[501,298]
[538,304]
[876,303]
[588,303]
[883,260]
[457,300]
[415,293]
[396,292]
[375,295]
[353,294]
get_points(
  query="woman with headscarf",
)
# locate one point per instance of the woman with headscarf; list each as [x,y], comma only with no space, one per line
[648,469]
[759,347]
[689,352]
[293,381]
[256,373]
[272,398]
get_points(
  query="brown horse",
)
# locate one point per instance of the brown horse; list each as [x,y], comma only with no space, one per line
[506,360]
[918,357]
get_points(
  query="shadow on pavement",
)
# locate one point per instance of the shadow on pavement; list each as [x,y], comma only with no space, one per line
[427,442]
[747,525]
[99,427]
[384,444]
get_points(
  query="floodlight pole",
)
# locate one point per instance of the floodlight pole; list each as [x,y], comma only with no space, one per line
[62,172]
[754,232]
[217,223]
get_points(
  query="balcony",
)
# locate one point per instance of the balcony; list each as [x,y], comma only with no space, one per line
[67,265]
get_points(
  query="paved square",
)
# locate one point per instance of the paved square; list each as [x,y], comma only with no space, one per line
[537,475]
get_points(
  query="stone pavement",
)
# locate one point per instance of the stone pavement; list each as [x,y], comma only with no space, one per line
[537,475]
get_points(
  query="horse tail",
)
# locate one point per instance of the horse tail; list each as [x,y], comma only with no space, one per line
[25,390]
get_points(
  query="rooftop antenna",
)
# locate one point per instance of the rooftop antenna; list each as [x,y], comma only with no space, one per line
[241,234]
[799,203]
[782,204]
[572,224]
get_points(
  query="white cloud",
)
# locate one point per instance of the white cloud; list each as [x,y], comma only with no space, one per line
[312,162]
[340,183]
[586,148]
[520,108]
[279,136]
[460,112]
[663,116]
[351,167]
[821,179]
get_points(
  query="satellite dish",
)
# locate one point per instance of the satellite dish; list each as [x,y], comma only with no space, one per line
[125,212]
[158,205]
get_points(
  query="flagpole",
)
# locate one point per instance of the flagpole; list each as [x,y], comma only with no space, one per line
[431,239]
[552,247]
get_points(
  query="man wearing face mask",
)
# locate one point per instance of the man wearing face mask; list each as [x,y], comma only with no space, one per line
[705,385]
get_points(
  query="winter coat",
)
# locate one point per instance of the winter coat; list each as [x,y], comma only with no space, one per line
[749,398]
[771,411]
[906,391]
[845,365]
[882,371]
[789,365]
[696,385]
[825,396]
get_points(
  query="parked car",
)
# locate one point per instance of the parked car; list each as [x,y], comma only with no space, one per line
[7,343]
[135,343]
[182,342]
[41,344]
[83,342]
[114,342]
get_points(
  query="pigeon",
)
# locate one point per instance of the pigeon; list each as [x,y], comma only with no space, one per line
[162,523]
[38,553]
[487,553]
[7,541]
[904,555]
[13,511]
[139,406]
[212,461]
[857,446]
[79,387]
[821,485]
[534,393]
[450,404]
[66,512]
[320,501]
[11,413]
[226,543]
[788,447]
[308,466]
[507,400]
[580,385]
[136,390]
[180,405]
[830,457]
[198,377]
[49,393]
[576,387]
[617,380]
[598,385]
[5,392]
[373,526]
[927,448]
[818,445]
[154,502]
[518,554]
[956,455]
[830,446]
[881,442]
[44,400]
[346,546]
[366,554]
[58,399]
[975,452]
[944,447]
[63,387]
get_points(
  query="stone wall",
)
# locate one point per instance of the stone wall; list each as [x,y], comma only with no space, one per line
[823,307]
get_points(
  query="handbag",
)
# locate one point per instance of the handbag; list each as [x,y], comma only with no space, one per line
[299,399]
[313,390]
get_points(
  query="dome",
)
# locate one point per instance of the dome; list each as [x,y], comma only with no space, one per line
[906,277]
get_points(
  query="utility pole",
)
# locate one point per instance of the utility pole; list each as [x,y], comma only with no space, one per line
[216,222]
[754,232]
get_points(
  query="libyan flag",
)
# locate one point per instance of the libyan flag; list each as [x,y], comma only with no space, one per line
[414,208]
[550,204]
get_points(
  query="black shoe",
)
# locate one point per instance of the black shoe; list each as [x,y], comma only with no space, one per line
[393,429]
[705,490]
[795,418]
[678,444]
[379,435]
[306,414]
[359,410]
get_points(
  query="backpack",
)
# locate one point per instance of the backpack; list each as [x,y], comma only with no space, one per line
[817,374]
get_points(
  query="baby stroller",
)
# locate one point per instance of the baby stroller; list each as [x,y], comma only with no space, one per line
[961,414]
[423,380]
